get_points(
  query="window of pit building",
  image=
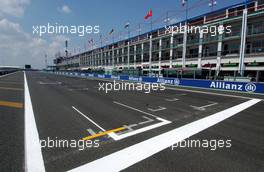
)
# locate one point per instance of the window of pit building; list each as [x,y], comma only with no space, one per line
[146,47]
[131,59]
[251,7]
[231,48]
[155,56]
[208,37]
[255,27]
[255,46]
[161,31]
[209,50]
[131,49]
[110,60]
[107,59]
[138,49]
[237,11]
[138,58]
[192,52]
[155,45]
[177,53]
[125,59]
[115,60]
[115,52]
[235,30]
[165,43]
[165,55]
[177,40]
[125,50]
[120,51]
[154,34]
[193,38]
[120,60]
[146,57]
[196,21]
[215,16]
[260,2]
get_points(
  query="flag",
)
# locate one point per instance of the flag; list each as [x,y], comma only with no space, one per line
[90,41]
[149,14]
[112,31]
[183,2]
[127,25]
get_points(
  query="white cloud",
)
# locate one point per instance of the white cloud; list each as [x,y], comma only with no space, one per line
[64,9]
[13,7]
[19,48]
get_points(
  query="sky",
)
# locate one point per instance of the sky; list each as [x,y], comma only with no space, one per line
[19,45]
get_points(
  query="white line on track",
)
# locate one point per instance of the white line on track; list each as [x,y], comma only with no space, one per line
[135,109]
[91,131]
[33,155]
[7,74]
[77,110]
[212,104]
[158,109]
[171,100]
[141,130]
[101,128]
[147,121]
[49,83]
[202,108]
[129,156]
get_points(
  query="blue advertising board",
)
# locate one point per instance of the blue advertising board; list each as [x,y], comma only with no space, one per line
[249,87]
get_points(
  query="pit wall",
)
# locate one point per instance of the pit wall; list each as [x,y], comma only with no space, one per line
[249,87]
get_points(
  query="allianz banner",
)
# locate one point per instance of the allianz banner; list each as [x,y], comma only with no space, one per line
[225,85]
[249,87]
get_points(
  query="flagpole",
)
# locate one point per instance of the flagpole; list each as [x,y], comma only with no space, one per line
[139,29]
[101,42]
[167,18]
[186,17]
[128,30]
[151,24]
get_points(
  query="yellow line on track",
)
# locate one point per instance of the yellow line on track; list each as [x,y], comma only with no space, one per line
[11,104]
[14,89]
[103,133]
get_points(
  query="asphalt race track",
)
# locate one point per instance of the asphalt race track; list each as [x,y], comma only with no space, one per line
[40,106]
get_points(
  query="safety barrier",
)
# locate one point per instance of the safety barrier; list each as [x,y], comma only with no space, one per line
[250,87]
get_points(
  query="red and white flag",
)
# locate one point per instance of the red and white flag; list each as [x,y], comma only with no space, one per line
[149,14]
